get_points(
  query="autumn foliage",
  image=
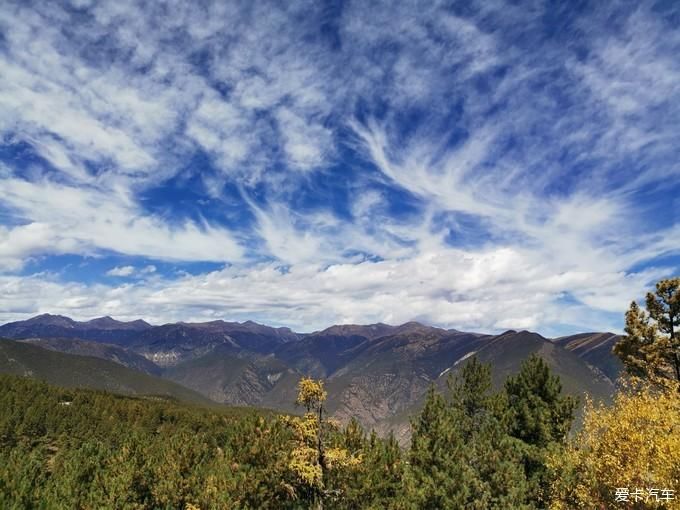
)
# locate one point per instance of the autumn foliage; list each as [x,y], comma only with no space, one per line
[635,443]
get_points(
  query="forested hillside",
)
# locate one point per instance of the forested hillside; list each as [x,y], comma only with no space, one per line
[19,358]
[66,448]
[470,448]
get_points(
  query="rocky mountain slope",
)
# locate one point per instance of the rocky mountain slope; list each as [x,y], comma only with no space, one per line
[596,350]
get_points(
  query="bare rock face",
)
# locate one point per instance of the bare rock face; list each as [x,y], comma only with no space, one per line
[596,350]
[377,400]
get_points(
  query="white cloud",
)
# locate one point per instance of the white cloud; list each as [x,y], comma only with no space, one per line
[126,271]
[486,290]
[63,219]
[306,144]
[121,271]
[529,159]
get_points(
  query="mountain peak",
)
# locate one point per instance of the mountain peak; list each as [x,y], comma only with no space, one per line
[368,331]
[107,320]
[140,323]
[410,325]
[414,326]
[51,320]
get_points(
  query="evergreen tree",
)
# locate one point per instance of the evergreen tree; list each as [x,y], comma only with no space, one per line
[377,482]
[438,471]
[540,417]
[461,454]
[651,347]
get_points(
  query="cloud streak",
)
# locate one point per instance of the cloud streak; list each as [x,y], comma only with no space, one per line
[489,167]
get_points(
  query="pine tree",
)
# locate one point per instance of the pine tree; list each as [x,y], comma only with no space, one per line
[540,417]
[438,471]
[376,483]
[651,347]
[461,454]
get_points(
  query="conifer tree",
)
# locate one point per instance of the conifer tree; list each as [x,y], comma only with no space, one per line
[651,347]
[461,454]
[438,471]
[376,483]
[540,416]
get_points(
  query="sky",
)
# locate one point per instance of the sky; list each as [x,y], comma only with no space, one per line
[482,166]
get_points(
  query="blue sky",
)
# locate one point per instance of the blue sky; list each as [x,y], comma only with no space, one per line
[478,165]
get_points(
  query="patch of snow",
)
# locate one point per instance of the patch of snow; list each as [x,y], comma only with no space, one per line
[471,353]
[443,372]
[272,378]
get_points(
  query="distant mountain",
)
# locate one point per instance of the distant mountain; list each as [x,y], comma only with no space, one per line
[103,329]
[68,370]
[164,345]
[257,380]
[506,353]
[322,353]
[171,344]
[386,384]
[112,324]
[385,381]
[596,350]
[378,373]
[365,331]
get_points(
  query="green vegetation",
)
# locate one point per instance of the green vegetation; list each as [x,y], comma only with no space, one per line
[461,453]
[540,418]
[651,348]
[74,448]
[73,371]
[634,444]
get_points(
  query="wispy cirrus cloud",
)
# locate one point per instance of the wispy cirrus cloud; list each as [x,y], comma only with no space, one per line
[64,219]
[481,167]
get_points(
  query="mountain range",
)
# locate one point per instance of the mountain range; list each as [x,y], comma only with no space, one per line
[377,373]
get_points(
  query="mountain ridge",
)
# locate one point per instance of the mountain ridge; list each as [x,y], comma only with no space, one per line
[378,373]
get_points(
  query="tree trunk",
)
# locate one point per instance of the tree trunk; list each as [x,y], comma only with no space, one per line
[321,459]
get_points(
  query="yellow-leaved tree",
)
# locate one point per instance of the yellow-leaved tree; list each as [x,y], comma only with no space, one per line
[626,456]
[313,453]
